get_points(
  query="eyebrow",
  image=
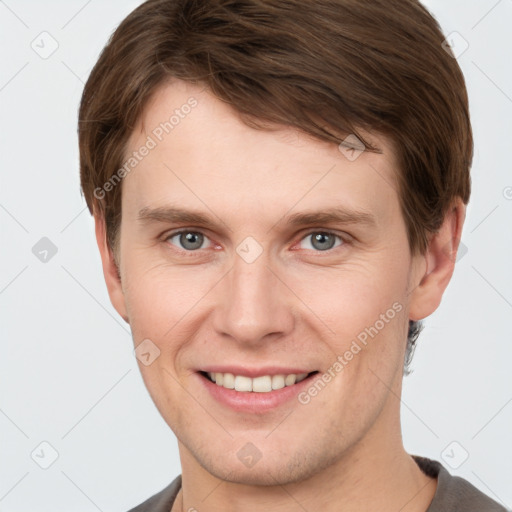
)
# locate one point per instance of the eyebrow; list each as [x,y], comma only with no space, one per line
[170,214]
[334,215]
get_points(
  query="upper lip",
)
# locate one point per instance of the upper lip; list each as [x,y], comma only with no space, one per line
[255,372]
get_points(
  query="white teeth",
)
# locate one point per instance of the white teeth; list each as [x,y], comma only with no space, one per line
[290,379]
[229,381]
[243,383]
[263,384]
[278,382]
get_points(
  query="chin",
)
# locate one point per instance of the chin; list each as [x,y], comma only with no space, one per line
[275,470]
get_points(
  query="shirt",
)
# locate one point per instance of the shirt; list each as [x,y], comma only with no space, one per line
[453,493]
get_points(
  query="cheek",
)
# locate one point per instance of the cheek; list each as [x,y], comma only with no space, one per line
[159,297]
[354,297]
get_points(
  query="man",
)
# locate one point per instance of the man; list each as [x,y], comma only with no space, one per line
[279,190]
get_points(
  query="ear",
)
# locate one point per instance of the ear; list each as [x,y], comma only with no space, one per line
[110,270]
[439,263]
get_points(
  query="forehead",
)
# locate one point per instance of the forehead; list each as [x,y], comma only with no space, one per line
[201,151]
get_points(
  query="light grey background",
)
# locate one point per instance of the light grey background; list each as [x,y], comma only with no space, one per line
[68,376]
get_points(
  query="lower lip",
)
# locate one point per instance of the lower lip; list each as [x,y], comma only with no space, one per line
[248,401]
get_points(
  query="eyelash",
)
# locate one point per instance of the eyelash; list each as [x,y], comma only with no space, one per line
[344,240]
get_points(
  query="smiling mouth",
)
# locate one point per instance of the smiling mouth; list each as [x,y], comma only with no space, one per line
[263,384]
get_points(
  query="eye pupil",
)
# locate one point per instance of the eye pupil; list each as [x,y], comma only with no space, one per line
[191,240]
[325,241]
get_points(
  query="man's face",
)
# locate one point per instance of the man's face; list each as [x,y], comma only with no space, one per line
[260,291]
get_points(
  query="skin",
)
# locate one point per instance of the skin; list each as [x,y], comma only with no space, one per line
[295,305]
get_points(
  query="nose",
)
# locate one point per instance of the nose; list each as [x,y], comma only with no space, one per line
[254,305]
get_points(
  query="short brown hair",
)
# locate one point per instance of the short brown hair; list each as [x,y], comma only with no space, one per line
[328,67]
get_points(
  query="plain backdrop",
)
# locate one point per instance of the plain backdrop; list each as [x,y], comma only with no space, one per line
[68,376]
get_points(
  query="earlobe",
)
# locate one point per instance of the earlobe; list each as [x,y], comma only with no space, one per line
[439,265]
[110,269]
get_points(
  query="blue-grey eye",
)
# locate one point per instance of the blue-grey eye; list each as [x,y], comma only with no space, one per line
[188,240]
[322,241]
